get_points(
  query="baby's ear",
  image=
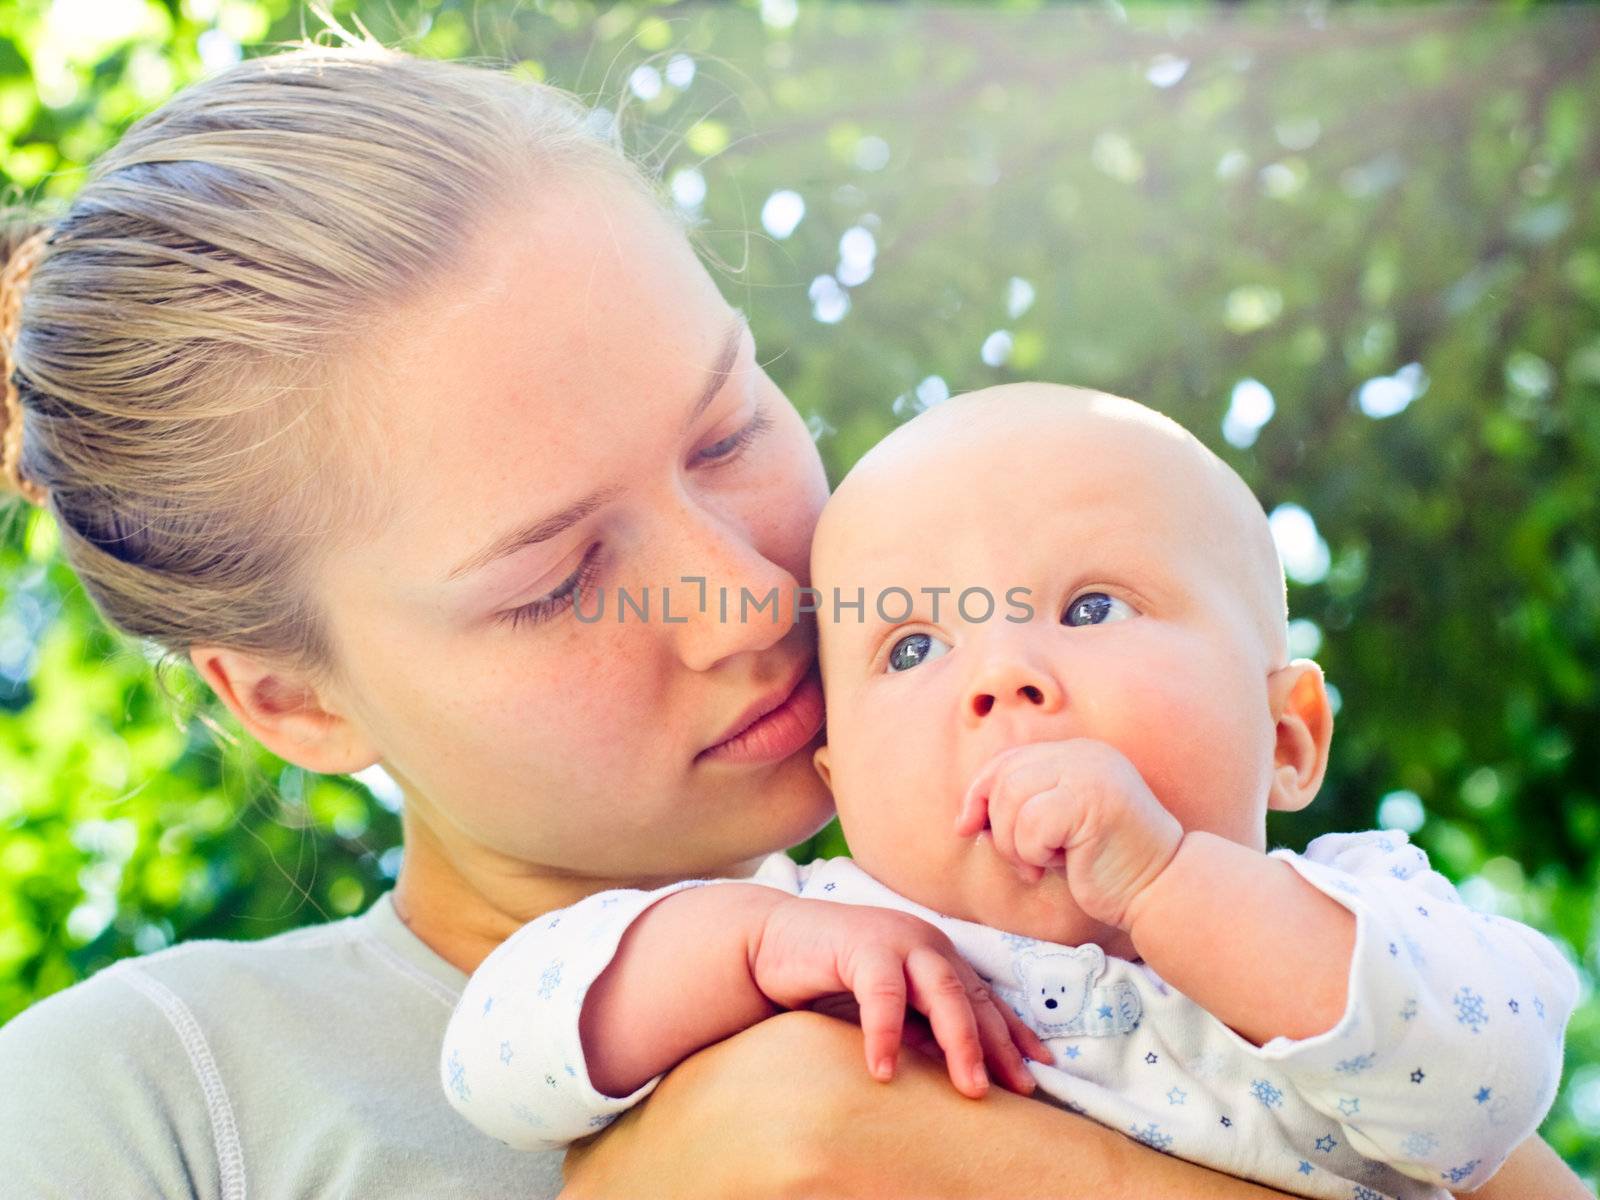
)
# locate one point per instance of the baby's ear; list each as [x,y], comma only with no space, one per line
[819,760]
[1298,700]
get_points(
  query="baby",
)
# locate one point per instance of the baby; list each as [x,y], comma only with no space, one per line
[1052,634]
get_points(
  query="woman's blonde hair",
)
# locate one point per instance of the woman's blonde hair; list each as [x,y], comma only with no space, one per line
[186,324]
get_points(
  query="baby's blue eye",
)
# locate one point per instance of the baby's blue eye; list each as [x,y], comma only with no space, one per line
[1096,608]
[915,649]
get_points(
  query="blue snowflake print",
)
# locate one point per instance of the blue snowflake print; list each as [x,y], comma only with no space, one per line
[1538,1007]
[1151,1136]
[1400,872]
[550,980]
[1263,1091]
[1305,1167]
[608,901]
[1481,1095]
[1072,1051]
[525,1114]
[487,1005]
[1354,1066]
[1326,1143]
[505,1053]
[1512,1005]
[458,1077]
[601,1120]
[1177,1096]
[1470,1010]
[1409,1010]
[1386,845]
[567,1067]
[1349,1105]
[1417,1076]
[1363,1192]
[1018,941]
[1457,1174]
[1419,1144]
[1152,1058]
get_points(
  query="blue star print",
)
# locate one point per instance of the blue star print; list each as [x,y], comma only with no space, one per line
[1409,1011]
[1417,1076]
[1263,1091]
[1105,1011]
[1177,1096]
[1349,1105]
[1305,1167]
[1227,1123]
[1512,1004]
[1326,1143]
[1072,1052]
[1151,1058]
[1481,1095]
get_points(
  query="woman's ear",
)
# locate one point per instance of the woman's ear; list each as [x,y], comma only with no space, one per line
[1298,700]
[284,711]
[819,760]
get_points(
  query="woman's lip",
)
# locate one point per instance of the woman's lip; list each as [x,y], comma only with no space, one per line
[777,733]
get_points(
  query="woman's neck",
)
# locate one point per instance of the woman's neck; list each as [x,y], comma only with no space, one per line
[462,911]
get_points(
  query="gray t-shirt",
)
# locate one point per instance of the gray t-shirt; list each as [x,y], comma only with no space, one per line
[301,1065]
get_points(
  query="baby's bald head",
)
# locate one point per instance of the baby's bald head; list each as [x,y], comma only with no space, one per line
[1023,446]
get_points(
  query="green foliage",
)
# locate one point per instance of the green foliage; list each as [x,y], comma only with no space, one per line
[1163,205]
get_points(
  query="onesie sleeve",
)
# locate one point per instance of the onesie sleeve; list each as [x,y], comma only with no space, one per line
[512,1061]
[1449,1051]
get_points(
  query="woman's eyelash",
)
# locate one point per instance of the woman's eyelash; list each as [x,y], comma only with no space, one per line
[554,602]
[730,446]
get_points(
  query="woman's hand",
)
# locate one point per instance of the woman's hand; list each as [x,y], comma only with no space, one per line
[784,1109]
[811,950]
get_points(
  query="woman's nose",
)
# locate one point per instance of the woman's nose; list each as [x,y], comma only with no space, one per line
[727,595]
[1012,679]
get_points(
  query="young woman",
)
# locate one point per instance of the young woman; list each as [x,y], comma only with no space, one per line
[341,373]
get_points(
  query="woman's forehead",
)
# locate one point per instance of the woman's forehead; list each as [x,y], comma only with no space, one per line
[572,323]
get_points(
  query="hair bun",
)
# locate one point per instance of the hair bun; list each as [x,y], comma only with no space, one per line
[25,249]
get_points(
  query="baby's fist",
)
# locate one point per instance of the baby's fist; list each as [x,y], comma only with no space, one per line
[1077,805]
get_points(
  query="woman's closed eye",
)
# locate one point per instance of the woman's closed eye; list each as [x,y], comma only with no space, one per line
[732,446]
[564,596]
[1096,608]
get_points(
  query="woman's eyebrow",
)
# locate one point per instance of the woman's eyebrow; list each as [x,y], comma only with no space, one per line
[545,528]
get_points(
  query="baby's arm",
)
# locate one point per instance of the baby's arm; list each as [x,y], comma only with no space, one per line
[576,1016]
[1409,991]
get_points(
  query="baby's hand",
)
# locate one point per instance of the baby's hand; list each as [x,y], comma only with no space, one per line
[1078,805]
[813,949]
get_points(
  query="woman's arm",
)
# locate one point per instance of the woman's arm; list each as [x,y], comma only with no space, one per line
[784,1109]
[1532,1170]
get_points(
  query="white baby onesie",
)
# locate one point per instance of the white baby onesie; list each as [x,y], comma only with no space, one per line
[1447,1056]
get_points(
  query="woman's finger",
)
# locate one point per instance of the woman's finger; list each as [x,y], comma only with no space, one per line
[937,990]
[878,981]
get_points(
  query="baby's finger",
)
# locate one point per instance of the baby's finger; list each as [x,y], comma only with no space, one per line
[974,805]
[878,980]
[1043,827]
[936,989]
[1029,1042]
[999,1048]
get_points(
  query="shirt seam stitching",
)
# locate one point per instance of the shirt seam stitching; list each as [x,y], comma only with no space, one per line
[224,1129]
